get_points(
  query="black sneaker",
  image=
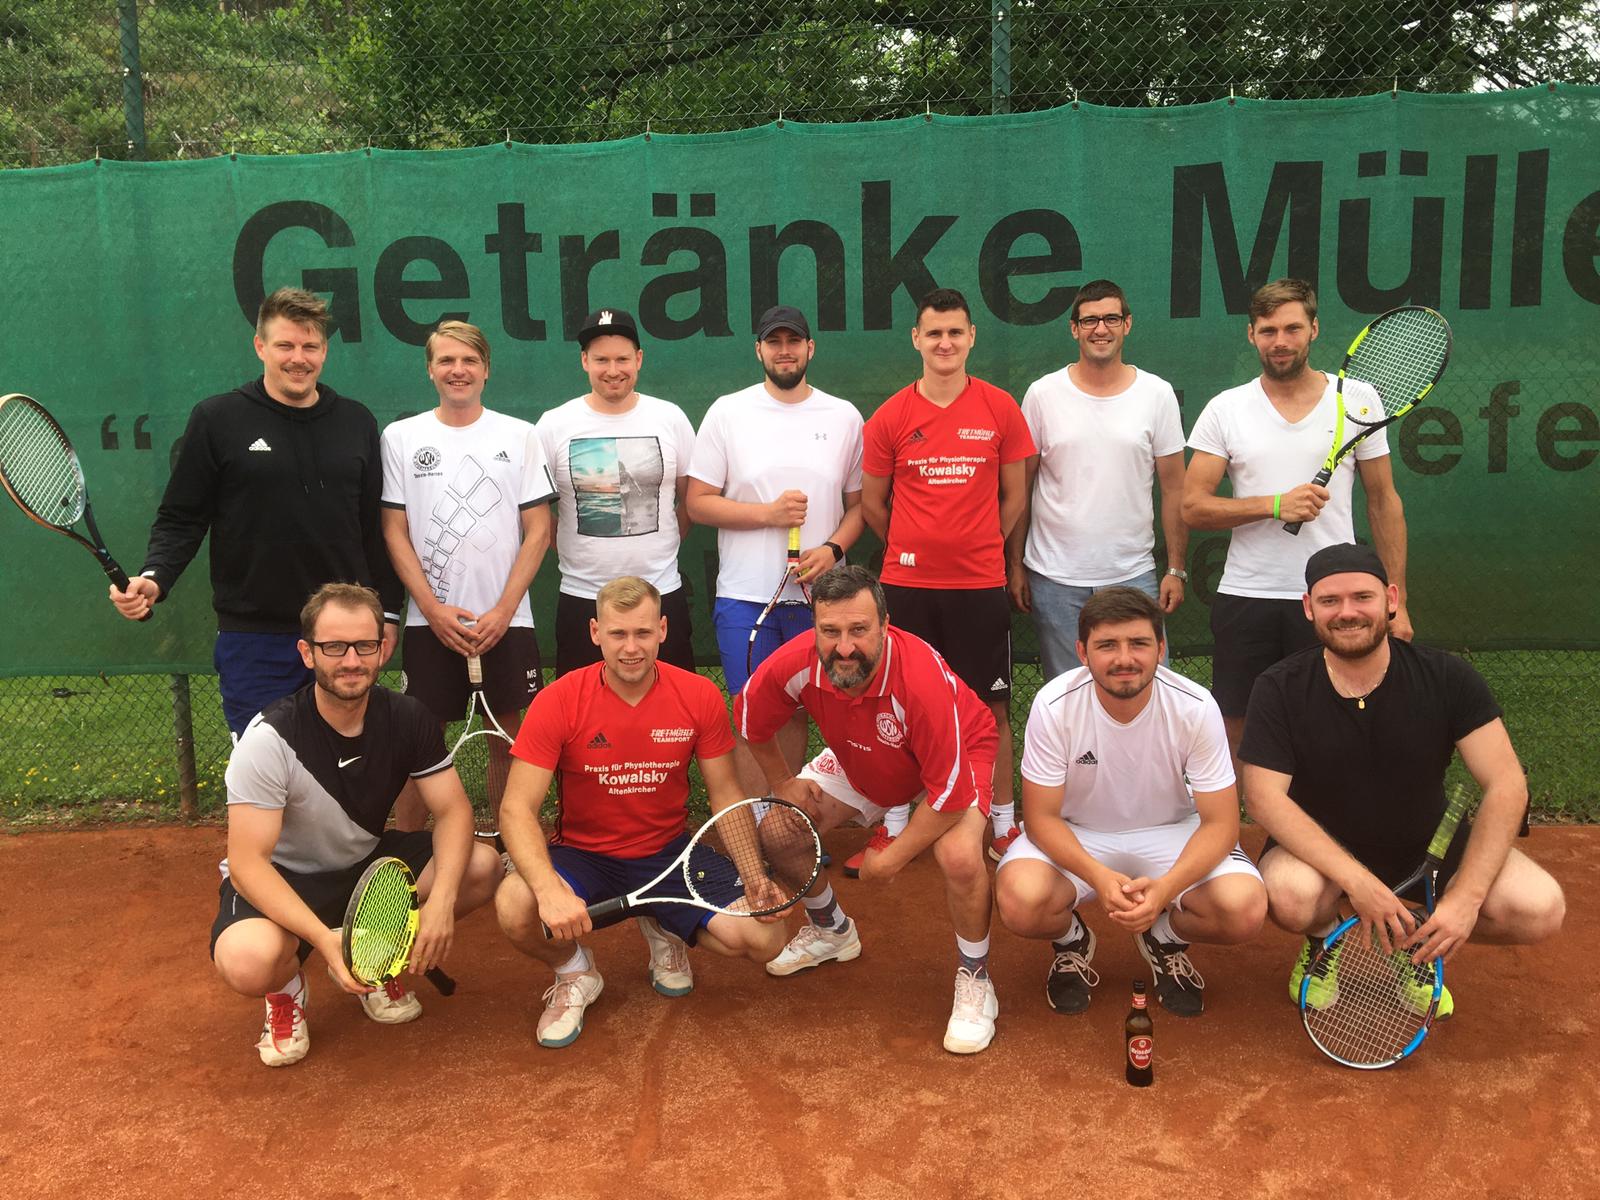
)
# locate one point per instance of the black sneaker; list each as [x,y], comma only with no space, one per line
[1067,984]
[1178,985]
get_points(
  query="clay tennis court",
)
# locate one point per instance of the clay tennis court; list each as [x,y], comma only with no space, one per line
[130,1070]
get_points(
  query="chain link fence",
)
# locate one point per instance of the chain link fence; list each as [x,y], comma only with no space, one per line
[166,79]
[181,79]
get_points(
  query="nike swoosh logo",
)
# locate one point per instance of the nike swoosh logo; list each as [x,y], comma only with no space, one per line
[345,762]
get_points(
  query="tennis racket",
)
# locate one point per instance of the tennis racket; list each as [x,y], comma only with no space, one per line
[380,925]
[1366,1008]
[791,570]
[752,859]
[1393,363]
[482,755]
[41,472]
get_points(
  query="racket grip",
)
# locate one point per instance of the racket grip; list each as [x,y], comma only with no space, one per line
[442,982]
[475,670]
[119,577]
[794,542]
[1293,527]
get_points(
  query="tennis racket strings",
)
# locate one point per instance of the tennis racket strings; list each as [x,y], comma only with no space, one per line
[1367,1007]
[383,925]
[40,466]
[1400,359]
[755,842]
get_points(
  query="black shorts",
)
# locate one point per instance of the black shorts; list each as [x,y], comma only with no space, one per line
[1250,634]
[970,627]
[1393,864]
[574,647]
[437,675]
[326,893]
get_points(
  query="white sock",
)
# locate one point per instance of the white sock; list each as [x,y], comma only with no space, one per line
[896,819]
[1004,818]
[295,989]
[580,961]
[823,909]
[978,949]
[1162,930]
[1074,930]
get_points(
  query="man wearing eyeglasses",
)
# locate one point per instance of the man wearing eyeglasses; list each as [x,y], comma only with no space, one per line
[310,787]
[1105,430]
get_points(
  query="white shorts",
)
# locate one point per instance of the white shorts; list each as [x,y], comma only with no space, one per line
[824,770]
[1134,852]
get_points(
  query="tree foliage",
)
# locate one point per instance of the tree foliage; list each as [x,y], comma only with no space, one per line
[268,76]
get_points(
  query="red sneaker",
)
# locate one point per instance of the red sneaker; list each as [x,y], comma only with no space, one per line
[998,848]
[881,839]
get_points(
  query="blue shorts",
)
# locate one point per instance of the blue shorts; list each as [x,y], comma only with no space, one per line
[595,877]
[253,670]
[734,619]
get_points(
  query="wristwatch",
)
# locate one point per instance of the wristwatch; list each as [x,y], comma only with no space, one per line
[838,554]
[1179,572]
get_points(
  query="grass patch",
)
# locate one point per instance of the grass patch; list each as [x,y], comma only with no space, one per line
[102,749]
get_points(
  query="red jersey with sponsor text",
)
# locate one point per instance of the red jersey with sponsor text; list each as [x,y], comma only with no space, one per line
[916,727]
[944,464]
[624,768]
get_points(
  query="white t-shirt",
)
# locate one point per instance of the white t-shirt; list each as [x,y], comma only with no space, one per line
[755,448]
[617,478]
[1120,777]
[1267,455]
[1093,520]
[463,490]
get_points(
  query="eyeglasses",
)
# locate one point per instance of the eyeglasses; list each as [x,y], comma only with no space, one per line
[365,648]
[1110,321]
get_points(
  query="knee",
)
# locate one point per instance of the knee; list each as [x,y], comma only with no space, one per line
[767,942]
[1241,915]
[250,970]
[515,908]
[1536,912]
[1023,907]
[961,859]
[1295,909]
[484,872]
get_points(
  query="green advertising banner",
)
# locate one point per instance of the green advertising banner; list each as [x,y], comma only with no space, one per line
[132,288]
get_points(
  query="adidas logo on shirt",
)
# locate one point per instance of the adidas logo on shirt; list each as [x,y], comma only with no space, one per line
[502,457]
[999,685]
[1087,759]
[916,436]
[260,444]
[598,742]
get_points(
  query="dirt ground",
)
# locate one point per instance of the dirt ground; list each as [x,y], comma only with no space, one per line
[130,1070]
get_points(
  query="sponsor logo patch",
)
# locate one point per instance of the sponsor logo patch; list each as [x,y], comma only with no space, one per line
[889,731]
[426,458]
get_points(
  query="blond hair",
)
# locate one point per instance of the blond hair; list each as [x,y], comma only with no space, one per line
[293,304]
[626,594]
[469,335]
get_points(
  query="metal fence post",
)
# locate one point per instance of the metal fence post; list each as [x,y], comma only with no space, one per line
[183,742]
[132,78]
[1000,58]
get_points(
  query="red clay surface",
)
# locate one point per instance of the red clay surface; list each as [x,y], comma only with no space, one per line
[130,1070]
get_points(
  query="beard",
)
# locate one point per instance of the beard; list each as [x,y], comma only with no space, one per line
[1352,640]
[1275,370]
[785,378]
[848,671]
[344,683]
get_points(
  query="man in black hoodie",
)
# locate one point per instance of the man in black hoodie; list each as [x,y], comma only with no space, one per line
[285,474]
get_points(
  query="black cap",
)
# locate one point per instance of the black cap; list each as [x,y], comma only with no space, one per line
[607,320]
[782,316]
[1343,557]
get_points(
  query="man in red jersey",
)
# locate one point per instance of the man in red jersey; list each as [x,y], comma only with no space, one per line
[898,725]
[621,734]
[944,481]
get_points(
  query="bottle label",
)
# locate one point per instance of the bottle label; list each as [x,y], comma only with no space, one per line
[1141,1050]
[1138,1000]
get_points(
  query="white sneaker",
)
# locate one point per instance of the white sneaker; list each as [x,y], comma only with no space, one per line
[670,972]
[564,1004]
[971,1026]
[392,1004]
[284,1038]
[813,946]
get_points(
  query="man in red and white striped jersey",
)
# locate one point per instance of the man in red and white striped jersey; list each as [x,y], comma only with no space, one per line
[899,726]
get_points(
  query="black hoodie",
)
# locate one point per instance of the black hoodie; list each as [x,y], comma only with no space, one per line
[290,497]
